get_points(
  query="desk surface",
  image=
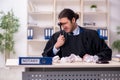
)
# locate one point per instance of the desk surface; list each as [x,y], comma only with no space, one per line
[14,63]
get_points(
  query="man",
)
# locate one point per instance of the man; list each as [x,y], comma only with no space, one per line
[74,39]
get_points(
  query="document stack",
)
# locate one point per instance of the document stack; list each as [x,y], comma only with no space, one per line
[116,58]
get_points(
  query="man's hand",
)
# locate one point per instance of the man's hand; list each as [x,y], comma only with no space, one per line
[60,41]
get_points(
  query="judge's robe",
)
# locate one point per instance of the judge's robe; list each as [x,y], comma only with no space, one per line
[87,42]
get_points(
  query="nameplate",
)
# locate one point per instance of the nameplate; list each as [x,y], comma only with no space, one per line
[35,61]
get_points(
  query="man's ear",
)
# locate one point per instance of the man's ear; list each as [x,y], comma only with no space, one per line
[73,20]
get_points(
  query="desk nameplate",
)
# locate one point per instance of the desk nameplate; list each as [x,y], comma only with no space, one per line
[35,61]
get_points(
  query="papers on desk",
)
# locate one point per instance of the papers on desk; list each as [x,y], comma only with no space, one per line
[116,58]
[71,59]
[117,55]
[75,58]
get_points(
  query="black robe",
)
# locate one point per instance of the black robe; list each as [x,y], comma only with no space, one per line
[87,42]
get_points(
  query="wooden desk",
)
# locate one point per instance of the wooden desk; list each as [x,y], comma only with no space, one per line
[69,71]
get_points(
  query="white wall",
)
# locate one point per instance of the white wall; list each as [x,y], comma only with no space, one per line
[114,20]
[20,9]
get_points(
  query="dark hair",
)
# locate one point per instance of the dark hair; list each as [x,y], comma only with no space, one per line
[70,14]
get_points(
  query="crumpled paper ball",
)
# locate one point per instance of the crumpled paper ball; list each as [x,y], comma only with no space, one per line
[56,59]
[90,58]
[71,59]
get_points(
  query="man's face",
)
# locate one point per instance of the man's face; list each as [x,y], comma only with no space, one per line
[67,25]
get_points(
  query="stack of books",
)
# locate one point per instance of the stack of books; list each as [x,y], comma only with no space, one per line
[48,32]
[30,33]
[103,33]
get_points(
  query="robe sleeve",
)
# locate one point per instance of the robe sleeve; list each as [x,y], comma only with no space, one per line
[48,50]
[102,50]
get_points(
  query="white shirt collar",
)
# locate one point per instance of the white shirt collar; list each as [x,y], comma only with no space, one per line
[76,31]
